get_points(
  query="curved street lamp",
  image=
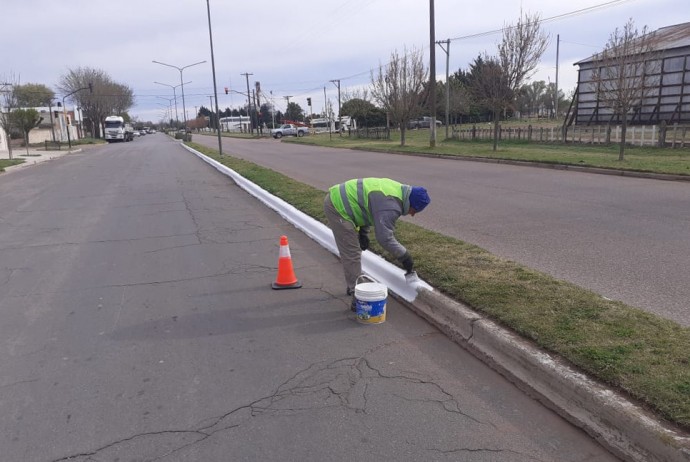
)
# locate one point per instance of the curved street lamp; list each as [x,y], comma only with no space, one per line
[169,100]
[184,109]
[64,111]
[177,118]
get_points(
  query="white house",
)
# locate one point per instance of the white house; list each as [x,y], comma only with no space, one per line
[53,127]
[3,144]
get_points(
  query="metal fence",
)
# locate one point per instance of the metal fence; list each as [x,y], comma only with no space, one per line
[376,133]
[674,136]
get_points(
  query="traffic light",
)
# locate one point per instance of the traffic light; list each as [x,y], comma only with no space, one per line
[226,90]
[309,102]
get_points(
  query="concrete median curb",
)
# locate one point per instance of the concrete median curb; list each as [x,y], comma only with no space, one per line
[622,426]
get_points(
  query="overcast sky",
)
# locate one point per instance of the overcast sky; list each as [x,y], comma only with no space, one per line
[293,48]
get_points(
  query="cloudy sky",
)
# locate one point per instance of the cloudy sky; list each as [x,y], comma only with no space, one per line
[292,48]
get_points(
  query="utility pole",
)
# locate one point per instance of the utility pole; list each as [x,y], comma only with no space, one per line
[249,102]
[50,112]
[339,116]
[273,111]
[555,102]
[257,105]
[210,117]
[447,50]
[432,75]
[325,110]
[287,98]
[255,112]
[213,68]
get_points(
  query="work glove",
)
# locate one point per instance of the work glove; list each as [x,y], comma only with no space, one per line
[407,262]
[364,238]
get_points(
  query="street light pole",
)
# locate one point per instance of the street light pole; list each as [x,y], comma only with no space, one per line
[249,102]
[447,51]
[213,69]
[169,100]
[184,109]
[177,117]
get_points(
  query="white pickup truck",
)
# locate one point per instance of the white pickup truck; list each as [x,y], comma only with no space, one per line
[289,130]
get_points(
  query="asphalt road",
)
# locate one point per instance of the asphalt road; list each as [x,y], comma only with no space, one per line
[625,238]
[137,323]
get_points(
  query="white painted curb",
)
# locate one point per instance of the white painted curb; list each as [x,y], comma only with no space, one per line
[620,425]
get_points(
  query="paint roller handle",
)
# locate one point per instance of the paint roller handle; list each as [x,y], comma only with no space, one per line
[364,238]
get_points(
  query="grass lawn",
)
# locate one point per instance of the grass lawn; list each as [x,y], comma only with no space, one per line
[639,353]
[642,159]
[8,163]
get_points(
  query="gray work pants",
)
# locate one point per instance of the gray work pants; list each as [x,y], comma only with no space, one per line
[347,240]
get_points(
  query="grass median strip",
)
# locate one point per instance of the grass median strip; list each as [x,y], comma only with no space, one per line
[637,159]
[644,355]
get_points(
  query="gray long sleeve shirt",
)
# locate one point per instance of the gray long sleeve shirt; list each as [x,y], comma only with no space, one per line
[386,210]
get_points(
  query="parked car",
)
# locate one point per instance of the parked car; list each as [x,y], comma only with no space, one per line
[422,122]
[289,130]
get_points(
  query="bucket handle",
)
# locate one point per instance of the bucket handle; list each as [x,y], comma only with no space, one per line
[364,276]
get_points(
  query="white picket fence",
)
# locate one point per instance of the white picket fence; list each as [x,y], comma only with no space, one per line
[637,135]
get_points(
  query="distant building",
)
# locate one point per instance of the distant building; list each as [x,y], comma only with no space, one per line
[3,142]
[668,100]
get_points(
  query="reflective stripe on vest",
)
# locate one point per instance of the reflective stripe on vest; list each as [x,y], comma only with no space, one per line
[351,199]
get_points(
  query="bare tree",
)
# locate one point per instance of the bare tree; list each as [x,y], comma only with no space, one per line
[490,88]
[123,98]
[7,104]
[521,49]
[356,93]
[108,97]
[623,77]
[399,88]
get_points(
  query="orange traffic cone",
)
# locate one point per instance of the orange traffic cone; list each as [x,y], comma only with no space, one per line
[286,275]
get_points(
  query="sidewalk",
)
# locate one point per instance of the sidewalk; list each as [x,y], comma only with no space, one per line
[34,157]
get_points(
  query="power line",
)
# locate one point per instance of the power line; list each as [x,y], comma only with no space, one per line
[495,31]
[552,18]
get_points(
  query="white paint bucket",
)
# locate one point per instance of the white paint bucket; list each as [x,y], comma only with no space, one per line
[371,301]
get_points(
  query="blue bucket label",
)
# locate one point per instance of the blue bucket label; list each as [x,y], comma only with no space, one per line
[373,311]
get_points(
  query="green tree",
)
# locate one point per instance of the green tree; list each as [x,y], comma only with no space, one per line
[26,120]
[294,112]
[466,103]
[549,98]
[33,95]
[364,112]
[531,97]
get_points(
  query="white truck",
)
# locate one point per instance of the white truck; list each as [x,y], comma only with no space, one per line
[115,129]
[289,130]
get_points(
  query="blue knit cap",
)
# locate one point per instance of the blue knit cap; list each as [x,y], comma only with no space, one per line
[419,198]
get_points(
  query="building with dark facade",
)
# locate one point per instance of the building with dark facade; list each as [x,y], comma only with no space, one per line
[667,93]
